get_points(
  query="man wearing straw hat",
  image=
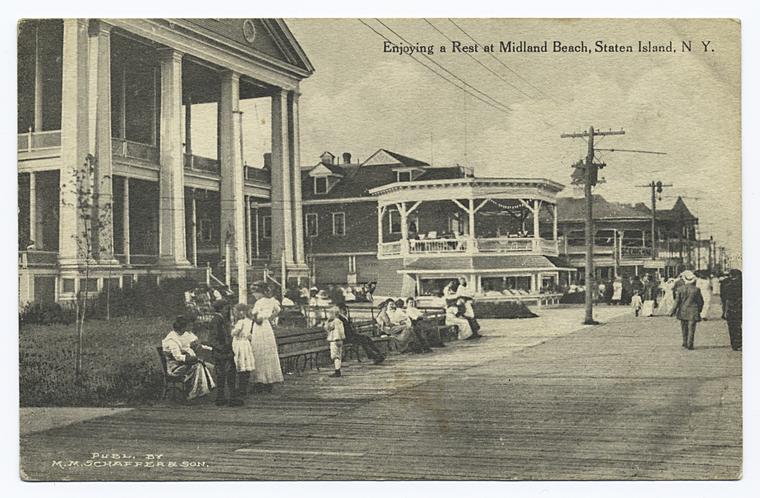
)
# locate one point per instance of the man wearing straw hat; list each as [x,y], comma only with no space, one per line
[688,307]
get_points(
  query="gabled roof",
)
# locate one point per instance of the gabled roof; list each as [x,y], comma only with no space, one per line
[332,168]
[679,212]
[358,179]
[387,157]
[574,209]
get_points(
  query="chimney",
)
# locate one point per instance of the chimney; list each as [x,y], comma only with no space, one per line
[268,161]
[347,158]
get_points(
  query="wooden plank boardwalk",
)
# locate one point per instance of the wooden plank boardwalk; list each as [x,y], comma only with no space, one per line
[535,399]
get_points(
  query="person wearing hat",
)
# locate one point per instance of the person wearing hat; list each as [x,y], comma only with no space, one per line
[688,307]
[266,358]
[731,293]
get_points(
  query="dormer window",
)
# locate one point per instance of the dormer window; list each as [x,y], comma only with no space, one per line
[320,184]
[403,176]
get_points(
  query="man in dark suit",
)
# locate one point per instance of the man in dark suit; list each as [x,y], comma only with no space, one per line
[688,306]
[731,294]
[370,349]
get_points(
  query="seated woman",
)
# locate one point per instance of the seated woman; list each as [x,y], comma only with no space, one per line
[179,347]
[454,317]
[396,324]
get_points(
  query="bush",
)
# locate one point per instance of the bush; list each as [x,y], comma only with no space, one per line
[502,309]
[144,299]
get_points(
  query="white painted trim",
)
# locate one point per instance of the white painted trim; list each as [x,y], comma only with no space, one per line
[332,215]
[330,254]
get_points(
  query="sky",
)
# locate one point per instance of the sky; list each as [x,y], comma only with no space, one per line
[687,105]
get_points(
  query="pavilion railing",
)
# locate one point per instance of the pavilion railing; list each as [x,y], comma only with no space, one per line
[202,164]
[428,246]
[389,249]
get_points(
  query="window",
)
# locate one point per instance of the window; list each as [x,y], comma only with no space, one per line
[403,176]
[68,286]
[352,264]
[312,225]
[320,185]
[395,221]
[266,221]
[339,224]
[204,233]
[88,285]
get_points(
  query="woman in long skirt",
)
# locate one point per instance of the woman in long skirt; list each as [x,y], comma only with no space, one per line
[266,358]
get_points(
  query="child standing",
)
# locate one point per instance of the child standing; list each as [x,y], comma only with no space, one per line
[241,346]
[335,336]
[636,303]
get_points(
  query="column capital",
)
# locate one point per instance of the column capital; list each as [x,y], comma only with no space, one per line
[169,54]
[229,75]
[99,27]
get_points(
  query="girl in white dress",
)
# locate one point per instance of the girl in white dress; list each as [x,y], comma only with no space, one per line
[667,301]
[267,359]
[241,339]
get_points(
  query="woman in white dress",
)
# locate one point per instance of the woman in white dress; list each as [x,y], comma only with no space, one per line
[179,347]
[617,291]
[453,317]
[266,358]
[467,295]
[667,301]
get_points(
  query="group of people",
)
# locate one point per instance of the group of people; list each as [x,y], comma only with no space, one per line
[238,349]
[332,295]
[688,298]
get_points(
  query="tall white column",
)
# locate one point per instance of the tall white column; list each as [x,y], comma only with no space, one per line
[294,140]
[100,87]
[38,79]
[282,206]
[194,233]
[536,218]
[471,231]
[554,221]
[125,222]
[232,197]
[171,240]
[33,210]
[74,137]
[404,229]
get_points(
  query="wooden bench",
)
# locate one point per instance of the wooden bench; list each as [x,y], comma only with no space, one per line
[434,323]
[169,380]
[298,349]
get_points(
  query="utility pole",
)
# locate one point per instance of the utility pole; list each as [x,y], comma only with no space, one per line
[589,171]
[656,187]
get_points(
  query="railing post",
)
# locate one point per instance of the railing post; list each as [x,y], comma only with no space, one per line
[29,140]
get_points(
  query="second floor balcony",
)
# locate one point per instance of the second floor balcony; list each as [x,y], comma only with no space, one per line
[467,216]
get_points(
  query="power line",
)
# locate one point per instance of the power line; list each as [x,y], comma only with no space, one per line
[478,61]
[501,62]
[444,69]
[505,110]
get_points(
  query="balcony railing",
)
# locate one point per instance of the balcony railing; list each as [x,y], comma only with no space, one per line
[34,140]
[134,150]
[636,252]
[501,245]
[202,164]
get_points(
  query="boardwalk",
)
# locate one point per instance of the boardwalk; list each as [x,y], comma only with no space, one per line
[536,399]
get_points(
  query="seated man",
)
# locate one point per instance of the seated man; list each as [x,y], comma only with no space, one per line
[366,343]
[179,347]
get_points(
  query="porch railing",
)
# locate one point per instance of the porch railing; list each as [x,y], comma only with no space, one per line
[34,140]
[134,150]
[501,245]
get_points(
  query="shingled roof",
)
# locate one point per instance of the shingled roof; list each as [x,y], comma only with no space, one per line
[679,212]
[573,209]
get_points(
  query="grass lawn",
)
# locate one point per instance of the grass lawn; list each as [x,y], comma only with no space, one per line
[120,363]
